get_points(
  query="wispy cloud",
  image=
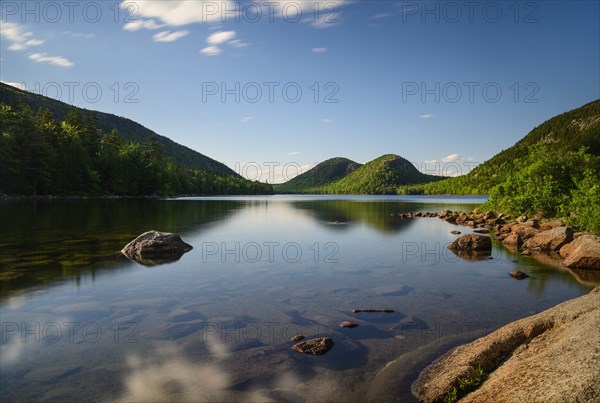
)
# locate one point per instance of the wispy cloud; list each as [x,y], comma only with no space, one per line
[18,36]
[426,116]
[236,43]
[380,16]
[211,51]
[294,153]
[168,36]
[72,34]
[218,38]
[246,119]
[54,60]
[142,24]
[326,121]
[451,158]
[319,50]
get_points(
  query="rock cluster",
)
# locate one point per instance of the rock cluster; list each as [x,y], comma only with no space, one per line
[578,251]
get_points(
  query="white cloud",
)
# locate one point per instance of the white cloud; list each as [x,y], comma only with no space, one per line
[17,47]
[54,60]
[294,153]
[139,24]
[211,51]
[18,36]
[319,50]
[451,158]
[78,35]
[380,16]
[236,43]
[326,121]
[20,86]
[220,37]
[181,12]
[430,161]
[426,116]
[168,36]
[246,119]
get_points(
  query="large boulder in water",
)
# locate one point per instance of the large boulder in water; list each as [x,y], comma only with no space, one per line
[471,243]
[154,247]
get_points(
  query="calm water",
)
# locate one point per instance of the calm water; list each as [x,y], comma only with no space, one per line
[81,322]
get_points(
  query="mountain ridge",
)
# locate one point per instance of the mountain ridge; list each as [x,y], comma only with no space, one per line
[382,175]
[129,129]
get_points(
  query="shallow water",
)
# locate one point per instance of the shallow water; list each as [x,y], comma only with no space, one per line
[80,321]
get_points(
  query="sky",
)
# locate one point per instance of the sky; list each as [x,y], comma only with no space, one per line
[271,88]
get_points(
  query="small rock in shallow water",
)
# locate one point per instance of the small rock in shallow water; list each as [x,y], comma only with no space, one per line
[519,275]
[297,337]
[348,324]
[455,232]
[373,310]
[317,346]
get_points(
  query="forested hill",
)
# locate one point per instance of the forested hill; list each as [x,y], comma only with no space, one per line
[72,156]
[557,137]
[127,128]
[322,174]
[383,175]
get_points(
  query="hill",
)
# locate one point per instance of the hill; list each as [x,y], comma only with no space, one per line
[554,171]
[322,174]
[341,176]
[558,136]
[127,128]
[381,176]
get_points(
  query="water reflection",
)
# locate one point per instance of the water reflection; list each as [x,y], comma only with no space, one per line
[219,328]
[51,241]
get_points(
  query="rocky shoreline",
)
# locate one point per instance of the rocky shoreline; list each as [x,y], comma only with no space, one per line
[552,356]
[577,250]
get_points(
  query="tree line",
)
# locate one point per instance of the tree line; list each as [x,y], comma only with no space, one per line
[41,155]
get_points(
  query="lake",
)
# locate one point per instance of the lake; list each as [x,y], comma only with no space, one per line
[82,322]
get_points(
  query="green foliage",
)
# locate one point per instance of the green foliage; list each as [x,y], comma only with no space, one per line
[41,155]
[451,396]
[584,208]
[465,385]
[130,131]
[552,185]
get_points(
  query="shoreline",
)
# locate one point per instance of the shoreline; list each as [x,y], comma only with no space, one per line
[549,356]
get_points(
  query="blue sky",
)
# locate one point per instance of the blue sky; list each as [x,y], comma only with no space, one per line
[293,83]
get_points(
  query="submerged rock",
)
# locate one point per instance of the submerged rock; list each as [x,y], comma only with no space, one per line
[455,232]
[298,337]
[373,310]
[519,275]
[348,324]
[154,247]
[316,346]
